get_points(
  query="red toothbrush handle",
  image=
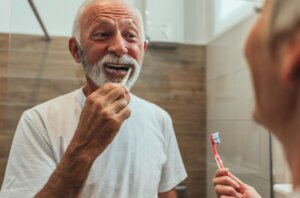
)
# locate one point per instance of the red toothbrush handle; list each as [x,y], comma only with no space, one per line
[219,161]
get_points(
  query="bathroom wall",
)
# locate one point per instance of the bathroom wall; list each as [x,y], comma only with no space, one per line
[173,77]
[4,139]
[5,12]
[244,147]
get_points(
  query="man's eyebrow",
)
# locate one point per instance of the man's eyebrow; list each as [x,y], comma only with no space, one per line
[96,22]
[104,22]
[133,24]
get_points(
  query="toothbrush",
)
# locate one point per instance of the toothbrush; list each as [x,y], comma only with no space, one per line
[124,80]
[215,139]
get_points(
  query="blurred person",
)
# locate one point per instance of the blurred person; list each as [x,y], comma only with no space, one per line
[273,54]
[99,140]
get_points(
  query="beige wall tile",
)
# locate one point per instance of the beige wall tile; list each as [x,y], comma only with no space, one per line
[221,100]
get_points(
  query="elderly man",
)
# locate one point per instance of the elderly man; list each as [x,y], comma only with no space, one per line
[273,53]
[100,140]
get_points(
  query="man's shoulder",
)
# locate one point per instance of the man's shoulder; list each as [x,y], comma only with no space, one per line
[140,102]
[142,105]
[58,103]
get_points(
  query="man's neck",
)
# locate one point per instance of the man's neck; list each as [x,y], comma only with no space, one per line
[291,146]
[90,87]
[86,90]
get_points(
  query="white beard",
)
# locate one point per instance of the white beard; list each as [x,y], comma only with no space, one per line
[96,72]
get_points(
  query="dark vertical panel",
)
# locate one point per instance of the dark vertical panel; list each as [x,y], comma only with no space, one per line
[4,140]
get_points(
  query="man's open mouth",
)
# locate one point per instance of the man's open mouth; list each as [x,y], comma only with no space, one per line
[117,67]
[116,70]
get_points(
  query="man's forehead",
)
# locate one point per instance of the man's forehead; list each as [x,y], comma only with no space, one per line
[111,9]
[107,21]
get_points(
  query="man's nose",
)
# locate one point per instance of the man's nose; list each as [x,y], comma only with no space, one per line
[118,46]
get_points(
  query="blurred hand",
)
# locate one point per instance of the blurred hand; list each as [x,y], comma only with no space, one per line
[229,186]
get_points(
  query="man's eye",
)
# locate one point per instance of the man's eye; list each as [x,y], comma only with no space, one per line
[101,35]
[258,10]
[131,36]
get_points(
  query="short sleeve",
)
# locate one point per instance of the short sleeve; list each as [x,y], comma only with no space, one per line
[173,171]
[31,160]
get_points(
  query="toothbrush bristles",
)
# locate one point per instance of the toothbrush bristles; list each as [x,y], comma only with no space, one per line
[216,138]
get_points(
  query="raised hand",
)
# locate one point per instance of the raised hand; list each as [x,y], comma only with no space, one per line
[104,112]
[229,186]
[102,116]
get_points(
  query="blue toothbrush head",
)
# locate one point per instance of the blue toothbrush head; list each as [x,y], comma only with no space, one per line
[216,138]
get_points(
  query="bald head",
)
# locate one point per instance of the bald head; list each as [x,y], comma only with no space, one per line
[90,9]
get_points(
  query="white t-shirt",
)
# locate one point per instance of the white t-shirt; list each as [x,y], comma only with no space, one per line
[142,160]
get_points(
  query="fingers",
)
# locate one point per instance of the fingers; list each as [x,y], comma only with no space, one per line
[110,86]
[116,94]
[117,106]
[235,178]
[124,114]
[117,100]
[108,94]
[112,91]
[227,191]
[222,172]
[225,181]
[225,186]
[119,109]
[225,172]
[243,187]
[103,90]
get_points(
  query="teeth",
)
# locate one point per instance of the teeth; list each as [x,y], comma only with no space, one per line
[112,65]
[118,67]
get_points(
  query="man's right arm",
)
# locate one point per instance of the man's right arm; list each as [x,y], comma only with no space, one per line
[69,177]
[104,112]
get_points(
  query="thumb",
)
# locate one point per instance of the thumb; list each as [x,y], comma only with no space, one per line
[243,187]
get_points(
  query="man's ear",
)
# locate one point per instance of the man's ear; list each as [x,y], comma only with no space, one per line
[74,49]
[290,71]
[146,42]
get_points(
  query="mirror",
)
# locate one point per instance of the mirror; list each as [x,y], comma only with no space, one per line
[193,70]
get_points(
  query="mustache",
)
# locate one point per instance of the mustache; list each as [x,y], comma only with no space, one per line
[108,58]
[111,58]
[96,71]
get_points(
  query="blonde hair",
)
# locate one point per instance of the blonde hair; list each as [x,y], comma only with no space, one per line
[283,20]
[76,31]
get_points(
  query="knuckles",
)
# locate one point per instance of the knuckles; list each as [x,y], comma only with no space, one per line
[89,101]
[105,114]
[93,102]
[123,102]
[114,122]
[227,180]
[128,113]
[110,118]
